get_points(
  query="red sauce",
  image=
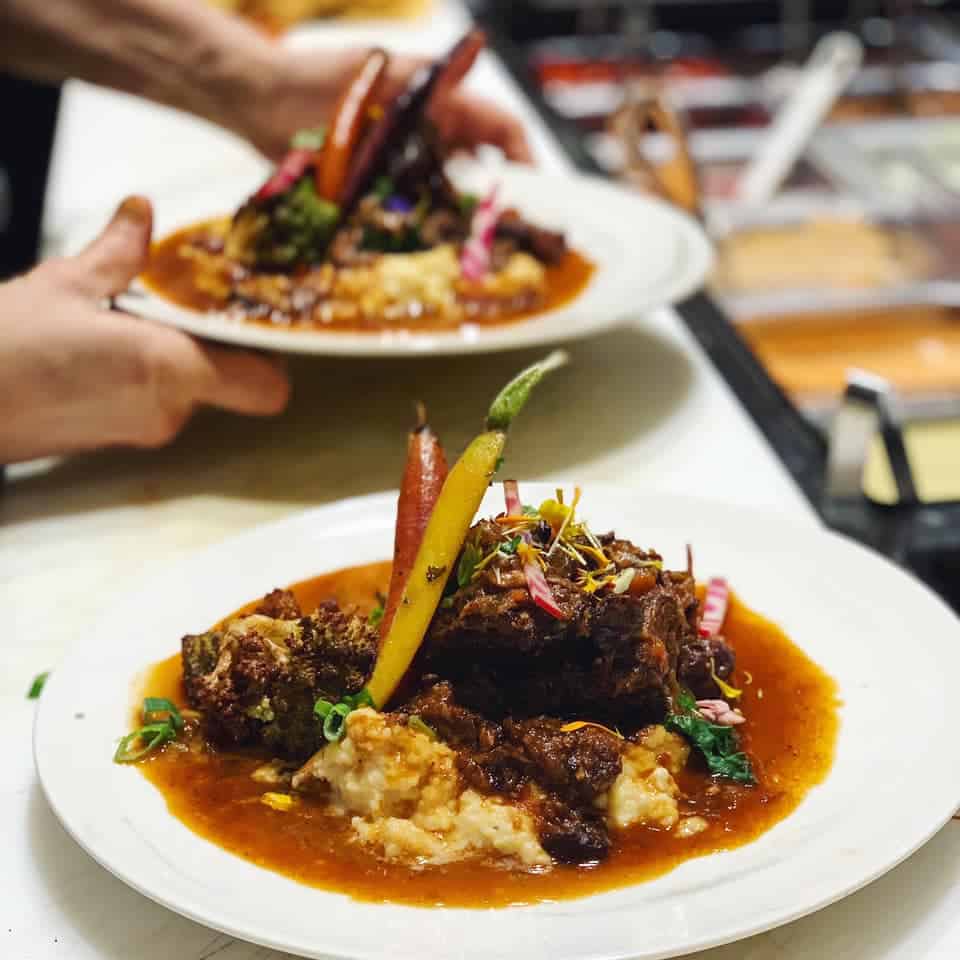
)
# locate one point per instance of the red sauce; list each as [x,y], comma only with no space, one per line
[792,708]
[174,276]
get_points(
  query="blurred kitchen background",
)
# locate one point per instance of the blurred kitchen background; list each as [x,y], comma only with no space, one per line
[820,144]
[839,242]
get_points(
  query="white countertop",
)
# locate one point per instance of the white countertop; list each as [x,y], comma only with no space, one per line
[641,407]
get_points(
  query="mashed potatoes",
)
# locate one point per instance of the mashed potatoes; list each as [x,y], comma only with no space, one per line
[405,796]
[405,799]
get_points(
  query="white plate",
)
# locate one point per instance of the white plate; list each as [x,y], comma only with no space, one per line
[647,254]
[889,642]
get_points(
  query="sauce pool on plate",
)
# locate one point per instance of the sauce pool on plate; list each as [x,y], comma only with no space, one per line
[179,278]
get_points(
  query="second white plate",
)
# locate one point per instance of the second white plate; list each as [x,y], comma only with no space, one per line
[647,254]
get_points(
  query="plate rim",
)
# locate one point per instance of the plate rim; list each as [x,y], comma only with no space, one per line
[772,919]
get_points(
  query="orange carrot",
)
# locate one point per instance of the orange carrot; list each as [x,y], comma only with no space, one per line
[423,478]
[348,123]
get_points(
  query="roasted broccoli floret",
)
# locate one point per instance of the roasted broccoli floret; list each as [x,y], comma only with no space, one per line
[257,679]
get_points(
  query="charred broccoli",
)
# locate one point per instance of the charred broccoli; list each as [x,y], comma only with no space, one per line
[256,681]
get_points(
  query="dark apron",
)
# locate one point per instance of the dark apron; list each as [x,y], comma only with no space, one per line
[30,119]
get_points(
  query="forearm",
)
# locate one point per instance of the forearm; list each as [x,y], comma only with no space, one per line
[182,53]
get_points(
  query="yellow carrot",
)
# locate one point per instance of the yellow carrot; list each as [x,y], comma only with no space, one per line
[447,529]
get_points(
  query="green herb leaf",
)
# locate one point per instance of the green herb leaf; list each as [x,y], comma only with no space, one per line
[719,745]
[468,563]
[36,688]
[311,138]
[376,615]
[420,726]
[154,705]
[530,511]
[510,400]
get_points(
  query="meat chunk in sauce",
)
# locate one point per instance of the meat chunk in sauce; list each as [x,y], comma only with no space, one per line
[559,772]
[613,658]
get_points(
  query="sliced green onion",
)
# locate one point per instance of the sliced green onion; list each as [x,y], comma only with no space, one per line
[360,699]
[36,688]
[335,722]
[154,733]
[417,724]
[154,705]
[321,708]
[152,736]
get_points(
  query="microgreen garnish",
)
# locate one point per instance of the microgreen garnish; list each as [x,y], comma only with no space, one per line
[469,559]
[36,688]
[510,547]
[376,615]
[154,733]
[719,745]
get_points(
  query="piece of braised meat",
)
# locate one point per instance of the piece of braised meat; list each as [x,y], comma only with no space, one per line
[702,660]
[547,246]
[613,658]
[567,769]
[257,679]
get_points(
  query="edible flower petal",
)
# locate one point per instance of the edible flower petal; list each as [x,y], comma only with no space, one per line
[540,591]
[580,724]
[720,712]
[478,250]
[729,691]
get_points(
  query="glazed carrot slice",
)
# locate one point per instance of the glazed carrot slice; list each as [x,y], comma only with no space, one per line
[446,530]
[423,477]
[347,125]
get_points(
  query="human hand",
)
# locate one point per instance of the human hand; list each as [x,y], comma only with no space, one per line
[76,376]
[300,88]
